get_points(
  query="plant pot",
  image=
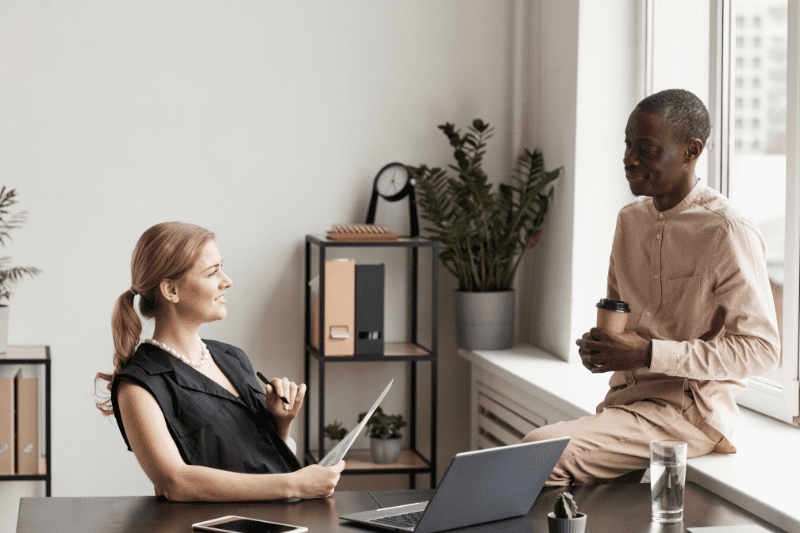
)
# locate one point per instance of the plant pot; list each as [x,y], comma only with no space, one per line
[385,451]
[485,320]
[566,525]
[3,330]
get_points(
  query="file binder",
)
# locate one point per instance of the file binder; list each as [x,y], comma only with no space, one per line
[27,401]
[339,320]
[369,309]
[6,426]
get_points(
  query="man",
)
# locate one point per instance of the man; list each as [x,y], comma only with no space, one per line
[702,317]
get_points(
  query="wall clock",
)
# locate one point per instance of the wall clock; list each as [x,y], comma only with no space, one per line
[393,183]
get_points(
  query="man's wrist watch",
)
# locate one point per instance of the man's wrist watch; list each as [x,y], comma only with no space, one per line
[649,355]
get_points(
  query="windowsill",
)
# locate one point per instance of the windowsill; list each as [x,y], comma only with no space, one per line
[763,477]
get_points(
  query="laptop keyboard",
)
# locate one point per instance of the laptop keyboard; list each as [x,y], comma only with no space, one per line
[400,520]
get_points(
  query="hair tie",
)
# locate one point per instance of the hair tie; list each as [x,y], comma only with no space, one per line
[133,291]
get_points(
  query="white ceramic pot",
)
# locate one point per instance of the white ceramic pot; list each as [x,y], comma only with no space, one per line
[566,525]
[3,330]
[385,451]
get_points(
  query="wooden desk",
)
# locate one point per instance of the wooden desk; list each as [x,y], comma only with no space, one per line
[610,508]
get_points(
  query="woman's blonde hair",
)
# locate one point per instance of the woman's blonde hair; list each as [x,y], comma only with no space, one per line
[165,251]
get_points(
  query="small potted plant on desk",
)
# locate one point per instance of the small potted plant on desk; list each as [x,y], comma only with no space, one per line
[334,433]
[384,436]
[565,517]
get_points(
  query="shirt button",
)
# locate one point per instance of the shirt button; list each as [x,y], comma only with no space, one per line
[658,236]
[648,313]
[661,215]
[630,381]
[655,276]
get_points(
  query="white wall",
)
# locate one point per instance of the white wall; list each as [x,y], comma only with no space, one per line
[265,122]
[586,91]
[261,121]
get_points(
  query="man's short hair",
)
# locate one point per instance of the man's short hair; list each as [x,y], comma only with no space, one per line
[683,109]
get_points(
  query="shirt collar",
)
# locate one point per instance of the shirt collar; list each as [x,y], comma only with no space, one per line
[154,360]
[683,205]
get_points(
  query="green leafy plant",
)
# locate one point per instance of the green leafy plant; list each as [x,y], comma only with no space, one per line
[565,506]
[382,426]
[9,276]
[335,431]
[485,232]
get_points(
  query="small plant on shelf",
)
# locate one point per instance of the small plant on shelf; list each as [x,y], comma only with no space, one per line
[385,437]
[335,431]
[382,426]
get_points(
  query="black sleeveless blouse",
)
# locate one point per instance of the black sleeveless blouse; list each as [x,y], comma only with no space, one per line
[210,426]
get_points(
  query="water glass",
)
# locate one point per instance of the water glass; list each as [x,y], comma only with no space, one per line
[667,479]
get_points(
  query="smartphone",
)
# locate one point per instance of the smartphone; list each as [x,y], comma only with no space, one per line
[240,524]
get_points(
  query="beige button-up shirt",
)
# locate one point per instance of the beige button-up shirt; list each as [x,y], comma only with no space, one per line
[695,277]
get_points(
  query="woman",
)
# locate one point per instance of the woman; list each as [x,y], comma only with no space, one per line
[200,425]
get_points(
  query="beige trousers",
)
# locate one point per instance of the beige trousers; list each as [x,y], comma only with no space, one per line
[617,439]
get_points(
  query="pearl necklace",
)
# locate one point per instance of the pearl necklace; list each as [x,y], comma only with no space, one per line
[167,349]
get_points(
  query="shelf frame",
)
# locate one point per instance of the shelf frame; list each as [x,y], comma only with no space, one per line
[428,354]
[10,359]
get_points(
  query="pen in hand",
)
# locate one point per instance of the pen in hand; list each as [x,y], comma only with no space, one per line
[266,382]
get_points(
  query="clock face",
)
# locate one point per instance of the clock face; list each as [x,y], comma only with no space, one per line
[392,181]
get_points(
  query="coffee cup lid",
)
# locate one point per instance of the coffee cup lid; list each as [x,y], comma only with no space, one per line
[614,305]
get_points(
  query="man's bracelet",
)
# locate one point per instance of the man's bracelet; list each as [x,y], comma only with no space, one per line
[649,355]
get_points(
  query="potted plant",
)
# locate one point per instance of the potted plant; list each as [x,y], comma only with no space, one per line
[334,433]
[384,436]
[484,232]
[565,517]
[9,276]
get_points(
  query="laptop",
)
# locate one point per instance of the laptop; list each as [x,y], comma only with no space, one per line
[478,486]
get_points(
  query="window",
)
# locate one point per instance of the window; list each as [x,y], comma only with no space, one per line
[764,154]
[753,159]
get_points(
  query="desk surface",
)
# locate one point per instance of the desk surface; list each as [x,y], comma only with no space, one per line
[618,508]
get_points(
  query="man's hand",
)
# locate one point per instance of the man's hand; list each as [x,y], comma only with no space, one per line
[605,351]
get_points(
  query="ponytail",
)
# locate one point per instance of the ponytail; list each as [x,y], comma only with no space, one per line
[165,251]
[126,328]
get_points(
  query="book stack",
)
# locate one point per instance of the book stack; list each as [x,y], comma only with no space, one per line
[19,413]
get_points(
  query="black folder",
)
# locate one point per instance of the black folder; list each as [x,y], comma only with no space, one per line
[369,309]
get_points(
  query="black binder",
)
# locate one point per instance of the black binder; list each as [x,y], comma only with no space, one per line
[369,309]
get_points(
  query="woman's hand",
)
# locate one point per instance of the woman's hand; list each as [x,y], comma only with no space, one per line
[316,481]
[284,413]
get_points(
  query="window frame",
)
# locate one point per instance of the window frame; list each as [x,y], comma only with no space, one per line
[781,402]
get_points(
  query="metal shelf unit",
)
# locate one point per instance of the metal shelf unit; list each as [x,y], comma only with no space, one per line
[20,356]
[358,462]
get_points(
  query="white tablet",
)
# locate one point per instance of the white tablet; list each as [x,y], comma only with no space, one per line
[240,524]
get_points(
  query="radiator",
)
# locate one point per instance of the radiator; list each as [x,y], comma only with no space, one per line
[501,420]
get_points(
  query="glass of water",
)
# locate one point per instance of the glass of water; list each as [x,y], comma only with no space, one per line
[667,479]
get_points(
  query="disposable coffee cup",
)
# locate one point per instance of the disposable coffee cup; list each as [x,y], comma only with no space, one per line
[612,315]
